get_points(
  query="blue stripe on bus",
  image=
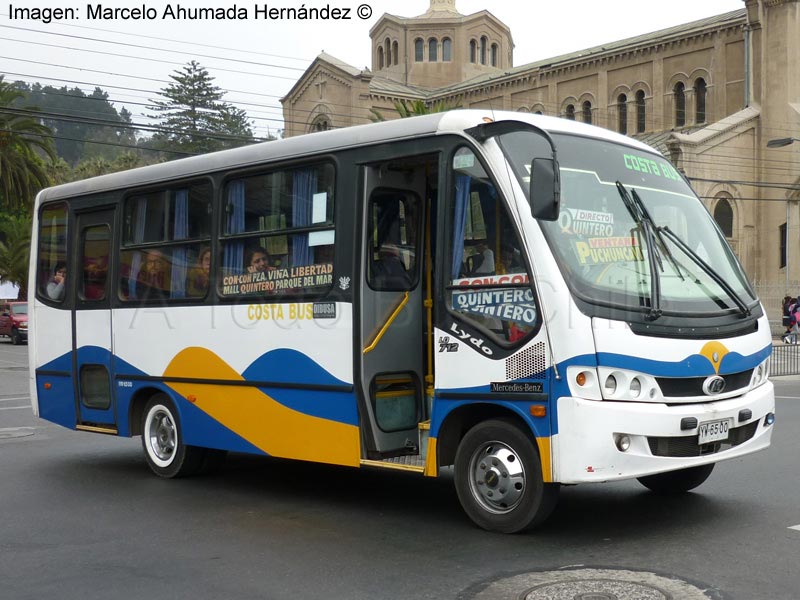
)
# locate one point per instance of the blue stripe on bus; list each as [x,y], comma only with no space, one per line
[280,366]
[695,365]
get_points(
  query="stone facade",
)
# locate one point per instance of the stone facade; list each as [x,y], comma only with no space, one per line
[709,94]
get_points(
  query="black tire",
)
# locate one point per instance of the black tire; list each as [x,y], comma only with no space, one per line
[16,338]
[498,478]
[162,440]
[677,482]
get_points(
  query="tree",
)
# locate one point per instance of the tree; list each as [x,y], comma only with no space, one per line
[415,108]
[22,170]
[15,244]
[194,119]
[84,125]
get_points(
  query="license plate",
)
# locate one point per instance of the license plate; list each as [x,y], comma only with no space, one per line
[714,431]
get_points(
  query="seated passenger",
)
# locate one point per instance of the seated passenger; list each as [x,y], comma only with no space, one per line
[389,271]
[482,262]
[197,283]
[153,281]
[55,287]
[257,260]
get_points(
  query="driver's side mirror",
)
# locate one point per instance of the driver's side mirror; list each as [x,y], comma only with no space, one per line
[545,190]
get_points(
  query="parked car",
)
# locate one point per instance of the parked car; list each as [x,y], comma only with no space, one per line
[14,321]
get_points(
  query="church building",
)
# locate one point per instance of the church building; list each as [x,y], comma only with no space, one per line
[709,94]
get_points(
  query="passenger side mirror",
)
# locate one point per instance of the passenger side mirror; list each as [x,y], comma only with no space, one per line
[545,190]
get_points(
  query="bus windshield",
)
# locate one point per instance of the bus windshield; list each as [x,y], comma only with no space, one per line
[631,234]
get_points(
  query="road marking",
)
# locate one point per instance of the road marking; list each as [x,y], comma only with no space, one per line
[788,397]
[28,407]
[795,527]
[15,399]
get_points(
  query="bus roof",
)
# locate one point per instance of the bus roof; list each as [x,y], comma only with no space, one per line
[453,122]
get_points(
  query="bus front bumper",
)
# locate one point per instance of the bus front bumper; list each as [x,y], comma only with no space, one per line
[590,434]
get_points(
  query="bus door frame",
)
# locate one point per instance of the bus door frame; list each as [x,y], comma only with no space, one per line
[92,340]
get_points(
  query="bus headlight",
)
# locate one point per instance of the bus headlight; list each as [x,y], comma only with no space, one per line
[760,374]
[621,384]
[610,386]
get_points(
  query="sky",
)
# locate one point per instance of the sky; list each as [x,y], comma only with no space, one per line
[257,60]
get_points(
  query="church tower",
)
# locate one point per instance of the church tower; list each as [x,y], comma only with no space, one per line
[440,47]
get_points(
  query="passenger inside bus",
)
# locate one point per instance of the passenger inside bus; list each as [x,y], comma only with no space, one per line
[197,282]
[55,288]
[389,271]
[153,280]
[482,261]
[257,260]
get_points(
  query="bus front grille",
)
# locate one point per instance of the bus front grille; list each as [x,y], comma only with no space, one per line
[684,387]
[686,446]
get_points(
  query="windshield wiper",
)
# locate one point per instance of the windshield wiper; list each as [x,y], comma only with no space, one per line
[656,230]
[708,269]
[640,216]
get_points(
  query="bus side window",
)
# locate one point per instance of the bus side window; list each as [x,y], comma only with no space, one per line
[393,240]
[95,248]
[166,244]
[52,259]
[487,252]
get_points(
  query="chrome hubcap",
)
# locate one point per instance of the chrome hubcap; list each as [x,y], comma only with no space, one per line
[161,433]
[497,477]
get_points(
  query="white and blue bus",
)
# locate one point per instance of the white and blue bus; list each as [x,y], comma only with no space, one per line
[530,300]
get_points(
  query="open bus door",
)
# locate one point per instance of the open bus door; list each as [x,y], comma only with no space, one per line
[392,304]
[92,347]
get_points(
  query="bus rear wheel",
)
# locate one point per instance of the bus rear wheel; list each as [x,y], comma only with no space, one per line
[677,482]
[498,478]
[162,440]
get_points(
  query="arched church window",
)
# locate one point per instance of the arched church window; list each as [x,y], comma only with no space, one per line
[484,42]
[419,50]
[587,112]
[473,51]
[321,123]
[700,100]
[641,115]
[380,57]
[447,49]
[388,45]
[723,215]
[622,114]
[680,104]
[433,50]
[495,55]
[396,53]
[570,112]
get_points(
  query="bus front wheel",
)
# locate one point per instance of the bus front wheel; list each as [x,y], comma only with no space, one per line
[677,482]
[162,439]
[498,478]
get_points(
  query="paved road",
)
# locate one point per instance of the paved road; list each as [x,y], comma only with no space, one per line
[81,518]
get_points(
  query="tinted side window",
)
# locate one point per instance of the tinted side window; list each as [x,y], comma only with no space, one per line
[490,285]
[393,246]
[95,252]
[166,244]
[52,260]
[278,233]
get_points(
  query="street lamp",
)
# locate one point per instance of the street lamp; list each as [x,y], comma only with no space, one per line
[781,142]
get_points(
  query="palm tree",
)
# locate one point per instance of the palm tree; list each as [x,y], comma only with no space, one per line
[15,244]
[22,171]
[415,108]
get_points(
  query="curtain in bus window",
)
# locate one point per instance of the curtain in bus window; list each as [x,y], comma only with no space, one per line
[304,188]
[180,231]
[234,251]
[138,238]
[461,203]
